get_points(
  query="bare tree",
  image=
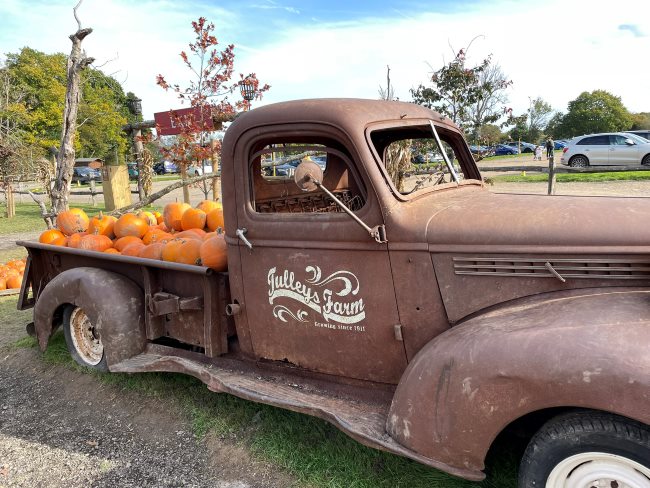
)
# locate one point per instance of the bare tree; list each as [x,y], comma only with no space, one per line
[397,157]
[488,105]
[77,62]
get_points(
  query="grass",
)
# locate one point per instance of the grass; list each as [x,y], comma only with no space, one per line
[28,217]
[576,177]
[313,451]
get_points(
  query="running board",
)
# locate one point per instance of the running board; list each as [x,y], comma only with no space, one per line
[360,417]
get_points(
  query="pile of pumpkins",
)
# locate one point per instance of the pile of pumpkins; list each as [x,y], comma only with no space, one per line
[181,234]
[11,274]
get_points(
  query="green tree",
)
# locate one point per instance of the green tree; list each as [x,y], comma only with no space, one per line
[469,95]
[102,113]
[641,121]
[598,111]
[41,79]
[539,114]
[491,134]
[555,128]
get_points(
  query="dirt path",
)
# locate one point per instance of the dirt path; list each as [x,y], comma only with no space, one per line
[63,428]
[602,188]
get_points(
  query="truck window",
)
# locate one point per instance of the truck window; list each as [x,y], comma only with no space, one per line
[413,159]
[274,191]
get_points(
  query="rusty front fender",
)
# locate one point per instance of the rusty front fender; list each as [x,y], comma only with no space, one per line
[113,303]
[582,348]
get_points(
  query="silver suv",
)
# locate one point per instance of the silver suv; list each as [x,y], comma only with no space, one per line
[610,149]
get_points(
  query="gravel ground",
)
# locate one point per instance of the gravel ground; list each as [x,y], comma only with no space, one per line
[63,428]
[601,188]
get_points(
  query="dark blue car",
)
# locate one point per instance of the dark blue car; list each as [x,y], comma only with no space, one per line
[503,150]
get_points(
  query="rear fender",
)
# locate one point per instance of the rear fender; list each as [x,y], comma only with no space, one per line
[113,303]
[579,348]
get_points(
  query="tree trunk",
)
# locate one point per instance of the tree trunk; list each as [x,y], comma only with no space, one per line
[138,147]
[186,190]
[65,159]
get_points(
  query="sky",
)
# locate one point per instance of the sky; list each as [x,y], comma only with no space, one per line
[553,49]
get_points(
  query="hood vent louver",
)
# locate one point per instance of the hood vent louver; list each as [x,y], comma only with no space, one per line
[568,268]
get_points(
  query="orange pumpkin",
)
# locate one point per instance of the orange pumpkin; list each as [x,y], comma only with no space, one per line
[130,225]
[159,217]
[173,213]
[191,234]
[3,283]
[172,249]
[50,235]
[155,235]
[148,217]
[133,249]
[208,205]
[95,242]
[103,225]
[193,218]
[122,242]
[152,251]
[74,240]
[215,219]
[112,250]
[60,241]
[72,221]
[209,235]
[190,252]
[14,282]
[214,253]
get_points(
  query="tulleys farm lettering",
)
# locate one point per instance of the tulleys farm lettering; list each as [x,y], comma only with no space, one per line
[332,297]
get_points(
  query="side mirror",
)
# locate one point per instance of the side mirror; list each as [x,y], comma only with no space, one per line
[630,142]
[306,174]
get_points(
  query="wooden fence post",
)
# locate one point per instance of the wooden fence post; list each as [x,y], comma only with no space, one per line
[11,203]
[551,175]
[93,190]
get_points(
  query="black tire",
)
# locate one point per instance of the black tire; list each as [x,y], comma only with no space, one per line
[89,358]
[579,162]
[575,445]
[646,160]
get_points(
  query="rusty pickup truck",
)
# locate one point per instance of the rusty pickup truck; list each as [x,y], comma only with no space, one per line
[416,311]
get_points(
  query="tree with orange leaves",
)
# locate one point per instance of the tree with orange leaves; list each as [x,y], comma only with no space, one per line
[208,93]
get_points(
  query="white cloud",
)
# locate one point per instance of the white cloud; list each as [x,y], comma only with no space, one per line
[554,49]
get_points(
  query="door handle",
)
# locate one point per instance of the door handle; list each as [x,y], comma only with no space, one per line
[241,233]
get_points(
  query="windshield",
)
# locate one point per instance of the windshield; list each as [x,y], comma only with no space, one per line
[421,156]
[637,139]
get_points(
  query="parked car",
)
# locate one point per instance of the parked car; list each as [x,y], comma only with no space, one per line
[83,174]
[526,147]
[165,167]
[133,170]
[608,149]
[197,169]
[642,133]
[482,150]
[288,169]
[503,150]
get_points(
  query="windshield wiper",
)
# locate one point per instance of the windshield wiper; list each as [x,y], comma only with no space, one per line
[450,166]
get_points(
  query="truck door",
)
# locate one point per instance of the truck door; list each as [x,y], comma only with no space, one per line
[318,289]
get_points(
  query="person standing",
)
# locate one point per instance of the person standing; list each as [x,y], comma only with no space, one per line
[550,146]
[538,153]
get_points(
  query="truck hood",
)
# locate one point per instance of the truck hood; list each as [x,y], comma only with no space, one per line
[474,218]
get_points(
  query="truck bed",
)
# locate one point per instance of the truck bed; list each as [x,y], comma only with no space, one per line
[184,304]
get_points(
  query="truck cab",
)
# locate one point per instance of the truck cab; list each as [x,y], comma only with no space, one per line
[416,310]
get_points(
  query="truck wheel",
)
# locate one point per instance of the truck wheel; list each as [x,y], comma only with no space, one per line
[588,450]
[84,344]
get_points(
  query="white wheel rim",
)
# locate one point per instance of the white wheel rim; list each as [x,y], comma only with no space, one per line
[598,470]
[85,342]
